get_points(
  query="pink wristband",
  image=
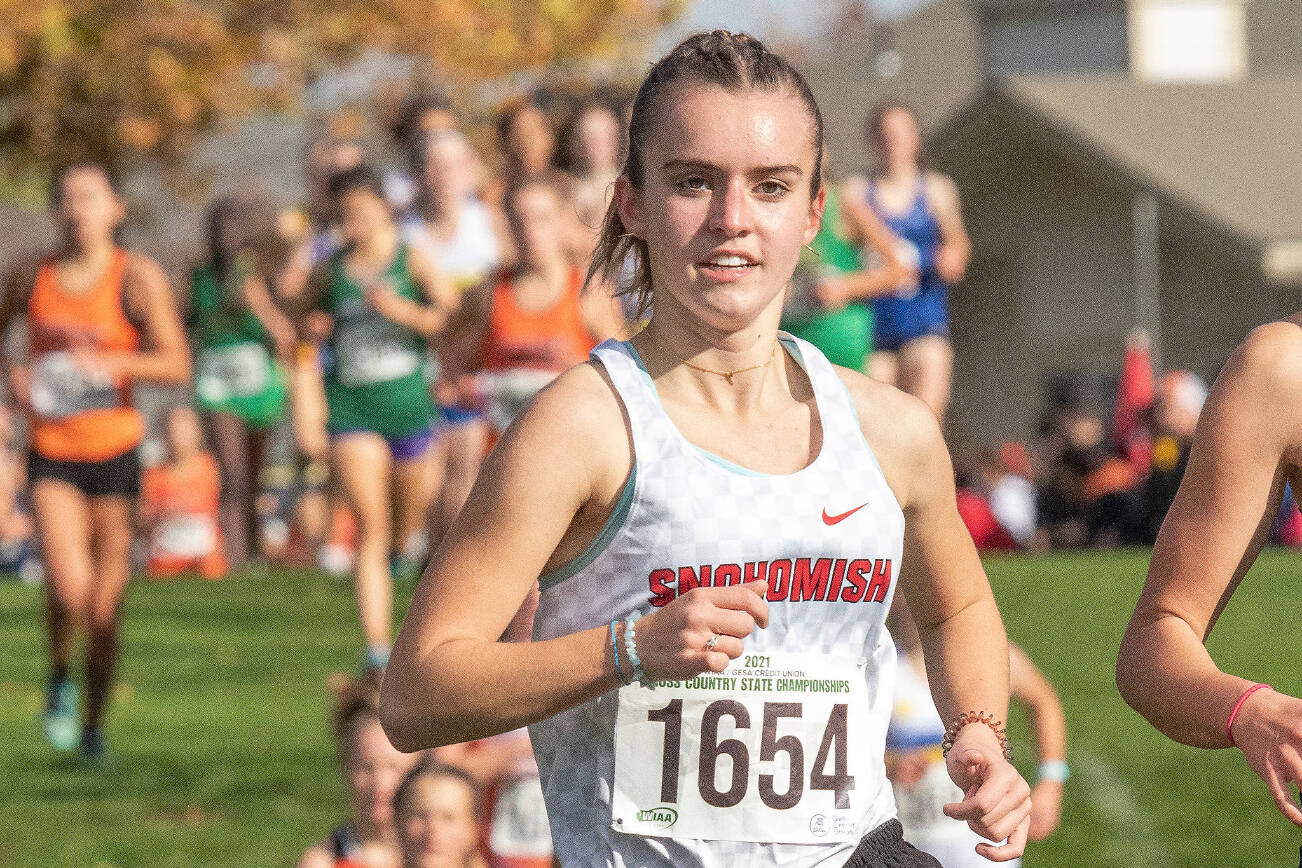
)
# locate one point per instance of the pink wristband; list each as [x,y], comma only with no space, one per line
[1229,724]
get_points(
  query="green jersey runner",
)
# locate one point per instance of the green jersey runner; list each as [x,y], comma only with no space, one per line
[376,379]
[235,368]
[845,336]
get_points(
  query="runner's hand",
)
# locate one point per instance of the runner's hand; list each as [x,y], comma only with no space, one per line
[671,641]
[996,801]
[388,303]
[20,387]
[1268,729]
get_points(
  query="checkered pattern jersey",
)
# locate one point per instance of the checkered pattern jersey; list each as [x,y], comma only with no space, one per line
[688,509]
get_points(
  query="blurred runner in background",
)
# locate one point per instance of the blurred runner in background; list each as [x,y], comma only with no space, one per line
[242,342]
[98,319]
[179,504]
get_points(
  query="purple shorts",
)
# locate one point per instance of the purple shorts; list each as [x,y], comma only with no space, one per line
[408,447]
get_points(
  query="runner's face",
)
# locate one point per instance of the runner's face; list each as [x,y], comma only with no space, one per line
[597,139]
[531,140]
[535,222]
[437,825]
[449,170]
[725,205]
[899,135]
[363,215]
[88,209]
[375,768]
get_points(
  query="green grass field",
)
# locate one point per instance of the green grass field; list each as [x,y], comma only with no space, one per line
[223,758]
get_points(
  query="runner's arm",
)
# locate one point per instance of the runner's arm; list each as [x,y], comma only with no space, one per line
[1031,689]
[1216,527]
[258,299]
[961,632]
[149,301]
[955,251]
[864,226]
[17,289]
[543,472]
[429,319]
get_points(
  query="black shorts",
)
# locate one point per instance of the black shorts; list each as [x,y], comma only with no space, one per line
[885,847]
[116,477]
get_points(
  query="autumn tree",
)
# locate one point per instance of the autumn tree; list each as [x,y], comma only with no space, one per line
[115,79]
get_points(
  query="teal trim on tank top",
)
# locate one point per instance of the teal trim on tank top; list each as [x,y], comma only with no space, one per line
[708,455]
[614,522]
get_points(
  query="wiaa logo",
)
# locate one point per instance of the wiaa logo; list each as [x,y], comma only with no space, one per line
[662,817]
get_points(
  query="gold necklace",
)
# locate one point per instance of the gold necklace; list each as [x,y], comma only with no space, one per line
[728,375]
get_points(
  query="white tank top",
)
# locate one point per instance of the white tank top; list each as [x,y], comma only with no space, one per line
[778,761]
[470,255]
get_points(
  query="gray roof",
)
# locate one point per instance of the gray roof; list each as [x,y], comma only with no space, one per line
[1230,152]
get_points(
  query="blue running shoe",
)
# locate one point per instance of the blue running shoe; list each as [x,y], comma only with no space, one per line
[59,722]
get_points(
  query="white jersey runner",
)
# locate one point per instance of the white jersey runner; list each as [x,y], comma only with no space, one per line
[778,760]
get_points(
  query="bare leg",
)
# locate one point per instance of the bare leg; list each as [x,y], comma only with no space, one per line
[238,459]
[361,464]
[927,370]
[415,484]
[63,527]
[884,367]
[465,450]
[111,540]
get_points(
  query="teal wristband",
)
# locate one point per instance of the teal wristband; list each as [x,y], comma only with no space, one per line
[614,649]
[630,648]
[1053,770]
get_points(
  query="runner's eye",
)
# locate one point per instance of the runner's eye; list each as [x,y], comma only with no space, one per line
[692,183]
[772,189]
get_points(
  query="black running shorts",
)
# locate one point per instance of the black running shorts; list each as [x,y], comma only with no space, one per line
[116,477]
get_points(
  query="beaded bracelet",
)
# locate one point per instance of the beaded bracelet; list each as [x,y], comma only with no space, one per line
[967,717]
[614,649]
[630,648]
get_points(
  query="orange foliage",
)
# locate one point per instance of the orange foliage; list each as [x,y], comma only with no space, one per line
[111,79]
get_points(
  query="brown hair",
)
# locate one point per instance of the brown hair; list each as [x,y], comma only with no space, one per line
[733,61]
[355,702]
[432,768]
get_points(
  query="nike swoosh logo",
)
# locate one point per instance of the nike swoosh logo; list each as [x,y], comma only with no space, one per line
[830,520]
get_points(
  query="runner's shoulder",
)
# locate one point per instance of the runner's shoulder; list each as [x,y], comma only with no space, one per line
[578,412]
[1270,361]
[900,429]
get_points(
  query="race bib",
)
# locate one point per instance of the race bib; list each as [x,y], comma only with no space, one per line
[62,388]
[508,392]
[766,751]
[236,371]
[185,536]
[374,350]
[519,825]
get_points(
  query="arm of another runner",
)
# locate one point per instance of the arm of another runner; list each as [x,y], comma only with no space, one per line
[149,301]
[1032,690]
[864,226]
[1214,531]
[962,635]
[13,304]
[539,477]
[955,251]
[426,319]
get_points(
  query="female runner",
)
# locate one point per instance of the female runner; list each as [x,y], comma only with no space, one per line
[385,300]
[922,209]
[98,319]
[714,478]
[1248,446]
[242,341]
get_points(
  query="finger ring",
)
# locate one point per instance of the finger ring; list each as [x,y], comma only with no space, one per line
[714,640]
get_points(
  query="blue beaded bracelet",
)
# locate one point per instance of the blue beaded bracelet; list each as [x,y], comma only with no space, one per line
[630,648]
[614,647]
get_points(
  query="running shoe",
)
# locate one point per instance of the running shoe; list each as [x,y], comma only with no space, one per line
[93,752]
[59,722]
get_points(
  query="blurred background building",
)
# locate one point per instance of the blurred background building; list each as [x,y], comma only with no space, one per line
[1122,164]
